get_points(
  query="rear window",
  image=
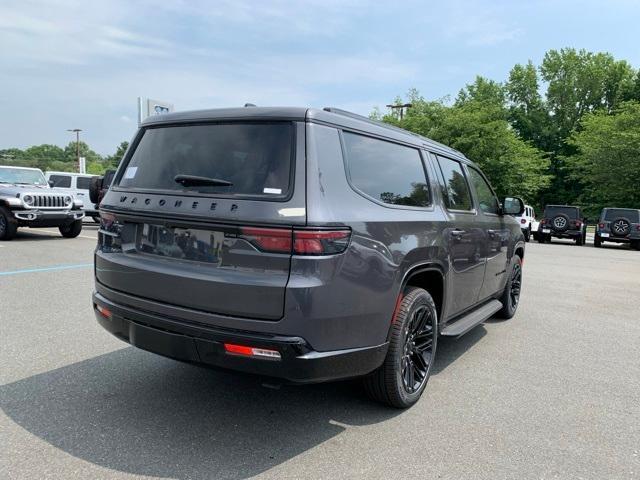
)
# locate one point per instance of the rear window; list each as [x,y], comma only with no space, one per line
[570,212]
[612,213]
[82,183]
[255,158]
[61,181]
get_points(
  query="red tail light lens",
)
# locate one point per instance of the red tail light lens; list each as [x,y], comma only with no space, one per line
[274,240]
[299,242]
[523,221]
[578,224]
[601,225]
[320,242]
[543,221]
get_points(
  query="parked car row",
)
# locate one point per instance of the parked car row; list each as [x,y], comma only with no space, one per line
[28,200]
[616,225]
[33,199]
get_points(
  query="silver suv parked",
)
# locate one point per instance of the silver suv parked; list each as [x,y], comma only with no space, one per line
[305,244]
[27,200]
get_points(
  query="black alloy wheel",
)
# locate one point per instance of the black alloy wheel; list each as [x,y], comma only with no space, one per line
[510,297]
[515,285]
[413,338]
[418,349]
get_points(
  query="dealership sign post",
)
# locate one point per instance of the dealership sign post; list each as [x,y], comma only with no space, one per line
[149,107]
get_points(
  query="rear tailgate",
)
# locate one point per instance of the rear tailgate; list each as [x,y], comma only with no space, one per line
[196,246]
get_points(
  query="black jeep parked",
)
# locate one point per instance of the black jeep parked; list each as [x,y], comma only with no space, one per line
[305,244]
[562,221]
[618,225]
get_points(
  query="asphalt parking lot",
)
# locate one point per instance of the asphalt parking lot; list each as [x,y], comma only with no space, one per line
[552,393]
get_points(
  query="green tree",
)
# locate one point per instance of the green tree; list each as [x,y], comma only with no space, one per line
[112,161]
[477,126]
[527,110]
[607,159]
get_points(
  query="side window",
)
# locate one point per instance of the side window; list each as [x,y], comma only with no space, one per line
[386,171]
[455,189]
[61,181]
[82,183]
[488,202]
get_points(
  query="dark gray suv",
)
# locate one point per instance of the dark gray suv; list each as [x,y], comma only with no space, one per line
[310,245]
[618,225]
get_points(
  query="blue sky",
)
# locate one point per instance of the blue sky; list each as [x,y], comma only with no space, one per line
[67,63]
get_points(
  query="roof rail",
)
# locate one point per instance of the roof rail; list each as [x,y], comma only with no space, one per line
[346,113]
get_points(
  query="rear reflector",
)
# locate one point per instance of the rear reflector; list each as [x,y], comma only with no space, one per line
[251,351]
[299,242]
[104,311]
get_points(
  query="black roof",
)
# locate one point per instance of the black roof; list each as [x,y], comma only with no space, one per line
[330,116]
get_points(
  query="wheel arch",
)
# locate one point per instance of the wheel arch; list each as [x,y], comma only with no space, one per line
[430,277]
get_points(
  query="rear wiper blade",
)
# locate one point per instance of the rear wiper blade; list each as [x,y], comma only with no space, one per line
[195,181]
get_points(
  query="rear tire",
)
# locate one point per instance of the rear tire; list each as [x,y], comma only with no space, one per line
[597,242]
[8,225]
[401,379]
[580,241]
[510,297]
[635,245]
[541,238]
[72,230]
[527,234]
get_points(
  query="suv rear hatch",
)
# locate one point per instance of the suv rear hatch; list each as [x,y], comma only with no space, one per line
[202,215]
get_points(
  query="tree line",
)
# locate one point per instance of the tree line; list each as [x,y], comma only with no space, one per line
[564,132]
[55,158]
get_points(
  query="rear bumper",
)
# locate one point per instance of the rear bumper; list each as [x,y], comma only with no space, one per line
[627,239]
[205,345]
[566,234]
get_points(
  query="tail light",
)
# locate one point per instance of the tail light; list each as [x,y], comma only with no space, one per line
[523,221]
[298,242]
[109,240]
[246,351]
[578,223]
[638,227]
[543,221]
[601,225]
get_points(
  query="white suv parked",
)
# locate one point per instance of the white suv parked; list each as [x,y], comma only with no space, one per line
[78,186]
[528,222]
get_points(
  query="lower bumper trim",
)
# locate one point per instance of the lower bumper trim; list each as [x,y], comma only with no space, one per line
[299,363]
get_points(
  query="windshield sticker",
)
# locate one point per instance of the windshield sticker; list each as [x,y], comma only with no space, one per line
[130,172]
[275,191]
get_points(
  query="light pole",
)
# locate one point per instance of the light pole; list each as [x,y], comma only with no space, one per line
[401,107]
[77,130]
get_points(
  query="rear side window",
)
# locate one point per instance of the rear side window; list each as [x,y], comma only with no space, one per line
[386,171]
[455,189]
[612,213]
[82,183]
[488,202]
[61,181]
[255,158]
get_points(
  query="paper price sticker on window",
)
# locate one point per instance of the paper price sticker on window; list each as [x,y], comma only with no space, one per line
[130,172]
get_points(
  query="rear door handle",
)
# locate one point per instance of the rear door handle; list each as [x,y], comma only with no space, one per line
[457,234]
[492,233]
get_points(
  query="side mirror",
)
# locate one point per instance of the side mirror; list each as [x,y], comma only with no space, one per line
[95,186]
[512,206]
[51,183]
